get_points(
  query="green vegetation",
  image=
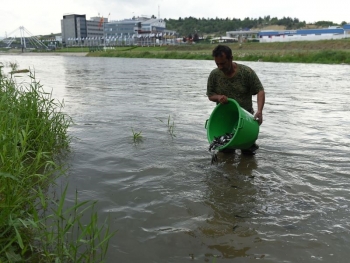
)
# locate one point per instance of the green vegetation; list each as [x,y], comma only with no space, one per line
[34,227]
[319,57]
[73,49]
[13,66]
[323,51]
[170,126]
[191,26]
[136,135]
[65,238]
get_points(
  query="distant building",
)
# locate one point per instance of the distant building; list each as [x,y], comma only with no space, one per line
[94,26]
[302,34]
[142,31]
[347,29]
[223,40]
[135,26]
[334,32]
[242,35]
[97,31]
[76,28]
[73,26]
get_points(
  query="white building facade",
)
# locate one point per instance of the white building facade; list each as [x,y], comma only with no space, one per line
[291,35]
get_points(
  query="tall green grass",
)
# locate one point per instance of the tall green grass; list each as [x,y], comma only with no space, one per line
[34,227]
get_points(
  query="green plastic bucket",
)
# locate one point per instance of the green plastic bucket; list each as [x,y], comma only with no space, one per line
[231,118]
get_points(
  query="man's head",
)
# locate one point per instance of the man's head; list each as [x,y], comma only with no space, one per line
[221,50]
[223,58]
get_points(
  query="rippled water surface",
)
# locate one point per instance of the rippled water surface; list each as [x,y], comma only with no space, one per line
[288,203]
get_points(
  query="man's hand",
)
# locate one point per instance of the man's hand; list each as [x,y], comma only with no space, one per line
[222,99]
[259,117]
[218,98]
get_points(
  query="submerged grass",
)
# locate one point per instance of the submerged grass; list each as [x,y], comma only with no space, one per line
[137,137]
[170,126]
[33,226]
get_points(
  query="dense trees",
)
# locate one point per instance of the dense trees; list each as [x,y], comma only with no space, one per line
[218,26]
[325,23]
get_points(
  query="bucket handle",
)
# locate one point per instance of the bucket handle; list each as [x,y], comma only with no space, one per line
[205,125]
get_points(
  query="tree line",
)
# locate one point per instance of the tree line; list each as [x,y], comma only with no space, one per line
[219,26]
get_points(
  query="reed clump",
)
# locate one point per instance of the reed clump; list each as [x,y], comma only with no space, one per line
[33,226]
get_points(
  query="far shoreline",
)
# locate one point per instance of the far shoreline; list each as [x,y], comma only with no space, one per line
[320,52]
[61,54]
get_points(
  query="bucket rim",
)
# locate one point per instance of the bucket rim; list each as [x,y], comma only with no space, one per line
[217,107]
[241,122]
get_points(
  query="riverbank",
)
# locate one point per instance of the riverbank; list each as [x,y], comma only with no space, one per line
[50,53]
[324,52]
[36,225]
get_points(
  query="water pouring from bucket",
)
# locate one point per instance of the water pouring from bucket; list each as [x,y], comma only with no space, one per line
[230,118]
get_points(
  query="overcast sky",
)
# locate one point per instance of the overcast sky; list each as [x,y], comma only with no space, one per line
[41,17]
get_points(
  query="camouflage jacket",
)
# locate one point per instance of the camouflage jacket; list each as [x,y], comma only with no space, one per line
[240,87]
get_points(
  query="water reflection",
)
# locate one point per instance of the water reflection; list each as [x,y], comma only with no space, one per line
[238,164]
[231,198]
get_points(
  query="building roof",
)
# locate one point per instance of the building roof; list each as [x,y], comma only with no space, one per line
[125,21]
[303,32]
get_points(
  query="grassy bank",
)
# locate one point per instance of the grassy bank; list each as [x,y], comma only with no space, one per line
[35,227]
[325,51]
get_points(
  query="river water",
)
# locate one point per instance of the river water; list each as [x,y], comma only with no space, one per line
[288,203]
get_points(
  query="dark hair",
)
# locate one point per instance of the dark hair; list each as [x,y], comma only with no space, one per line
[217,52]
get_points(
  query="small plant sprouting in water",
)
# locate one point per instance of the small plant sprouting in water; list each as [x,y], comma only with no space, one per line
[13,66]
[171,126]
[136,135]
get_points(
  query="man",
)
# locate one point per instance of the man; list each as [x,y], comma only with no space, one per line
[236,81]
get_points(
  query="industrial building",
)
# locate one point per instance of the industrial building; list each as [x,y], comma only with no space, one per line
[289,35]
[139,25]
[141,31]
[303,34]
[76,29]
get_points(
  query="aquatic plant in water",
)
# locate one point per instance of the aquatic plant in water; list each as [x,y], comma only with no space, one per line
[34,227]
[136,135]
[170,126]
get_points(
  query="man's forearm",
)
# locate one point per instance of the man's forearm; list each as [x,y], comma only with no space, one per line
[261,100]
[218,98]
[214,98]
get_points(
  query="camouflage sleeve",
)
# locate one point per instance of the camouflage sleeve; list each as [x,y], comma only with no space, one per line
[211,85]
[255,83]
